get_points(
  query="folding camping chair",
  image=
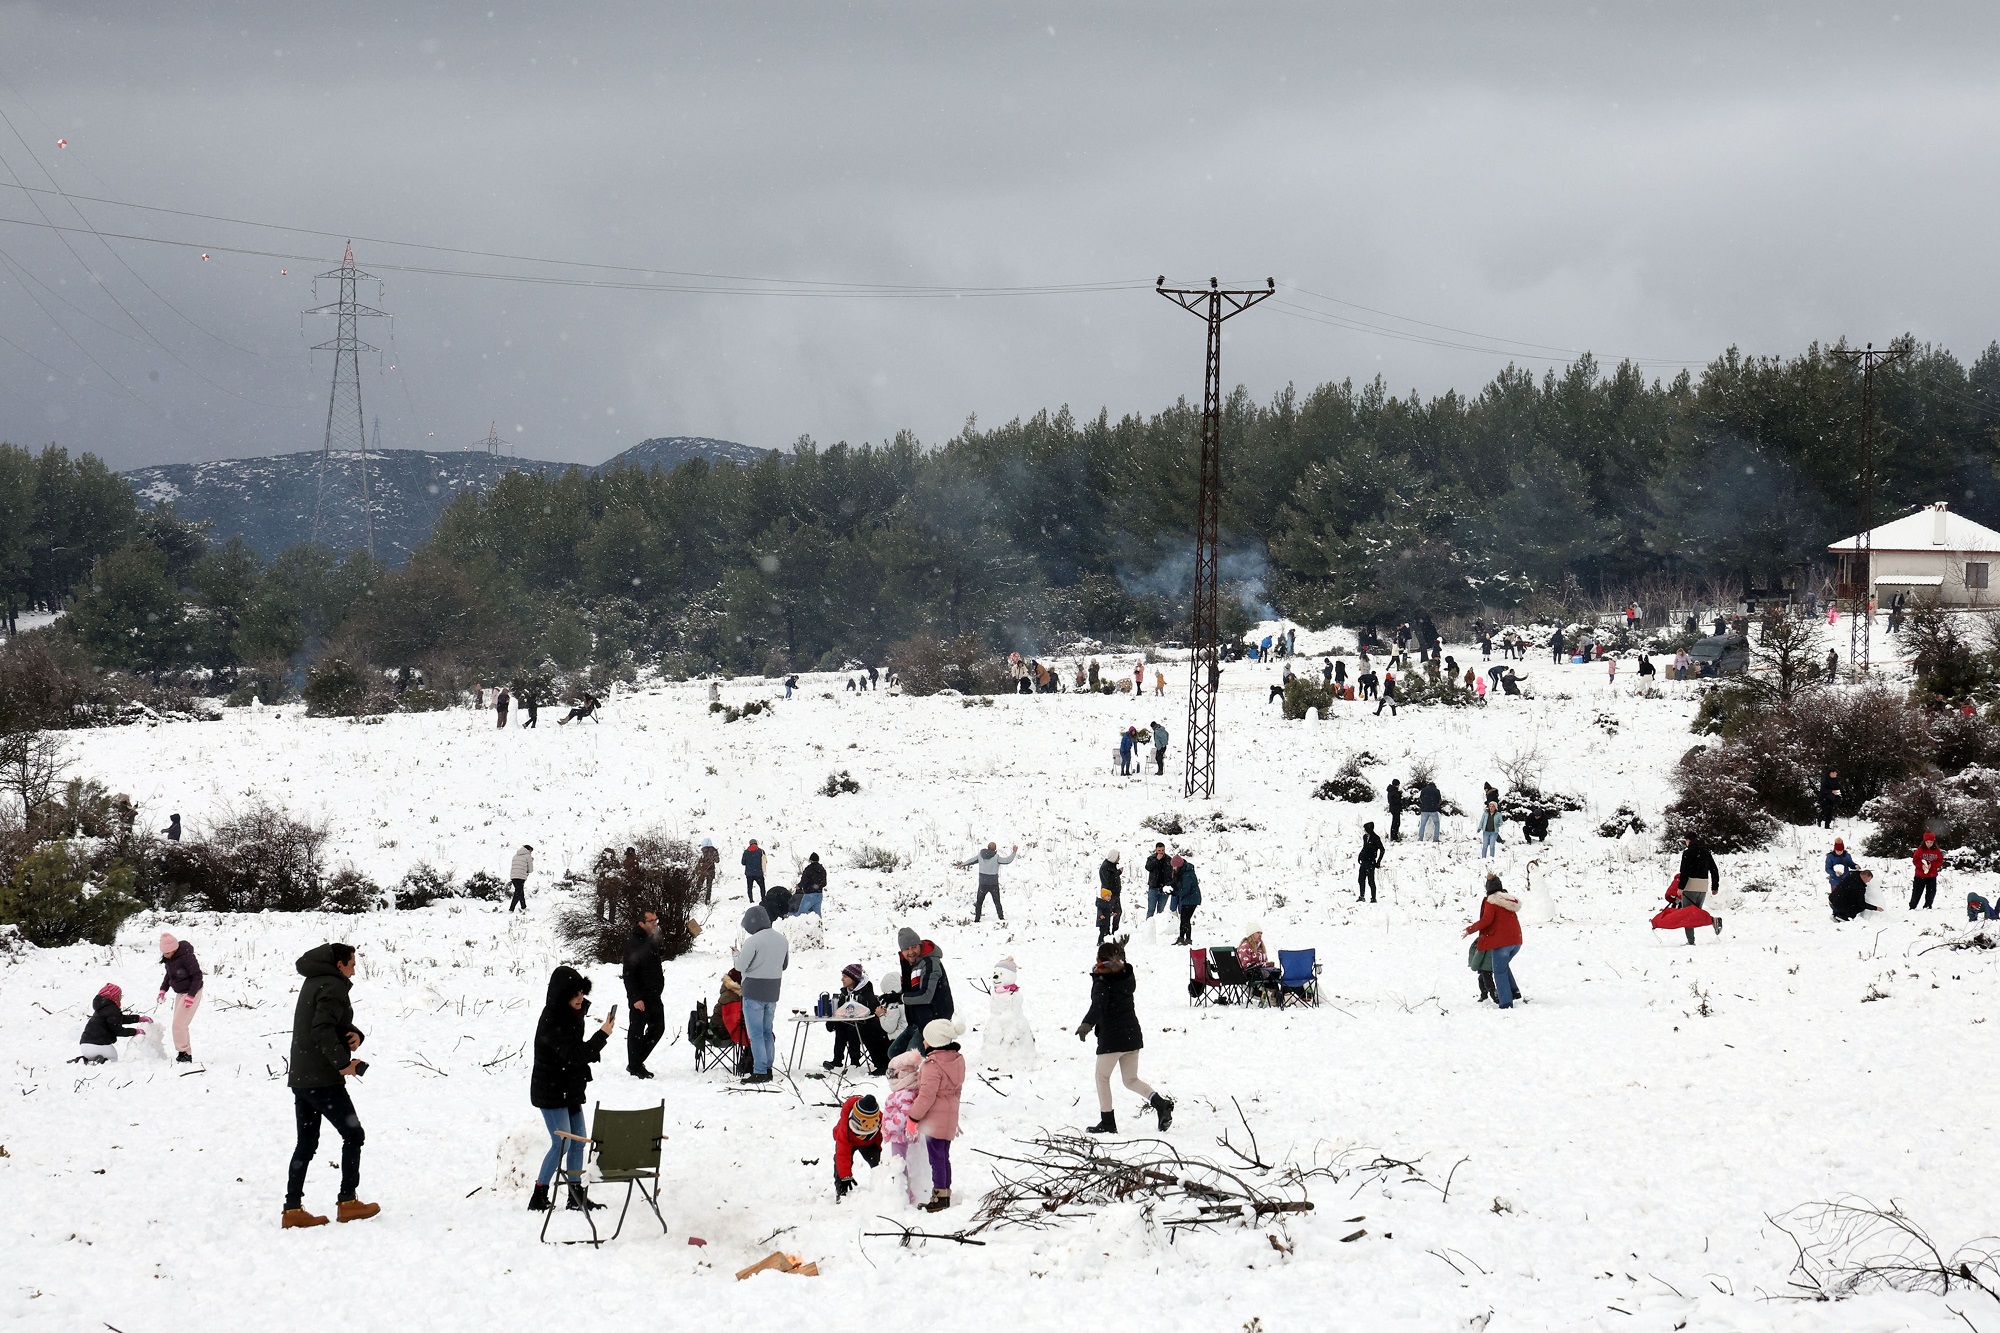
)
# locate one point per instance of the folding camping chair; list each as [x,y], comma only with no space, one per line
[1301,975]
[1231,984]
[717,1044]
[1200,982]
[626,1145]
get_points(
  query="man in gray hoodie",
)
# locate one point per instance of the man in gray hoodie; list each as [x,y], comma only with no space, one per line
[988,863]
[762,960]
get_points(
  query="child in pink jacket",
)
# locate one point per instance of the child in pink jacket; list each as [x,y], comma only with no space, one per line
[897,1130]
[935,1110]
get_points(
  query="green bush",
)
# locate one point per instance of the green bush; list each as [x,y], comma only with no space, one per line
[54,900]
[335,687]
[1304,695]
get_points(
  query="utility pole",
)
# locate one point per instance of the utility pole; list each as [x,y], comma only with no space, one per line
[1215,305]
[1861,629]
[491,444]
[346,428]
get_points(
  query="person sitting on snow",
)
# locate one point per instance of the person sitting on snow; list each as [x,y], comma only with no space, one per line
[858,1129]
[108,1022]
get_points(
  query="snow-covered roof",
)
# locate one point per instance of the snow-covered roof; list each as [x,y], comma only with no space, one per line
[1911,580]
[1932,528]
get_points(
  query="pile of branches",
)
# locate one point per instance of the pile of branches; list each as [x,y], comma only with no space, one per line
[1850,1246]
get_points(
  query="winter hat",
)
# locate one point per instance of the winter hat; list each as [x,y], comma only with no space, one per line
[941,1032]
[1929,836]
[864,1121]
[1113,858]
[908,939]
[109,991]
[1179,859]
[904,1070]
[1839,846]
[853,974]
[168,944]
[708,842]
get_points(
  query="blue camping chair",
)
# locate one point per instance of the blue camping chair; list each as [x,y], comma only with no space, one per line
[1301,975]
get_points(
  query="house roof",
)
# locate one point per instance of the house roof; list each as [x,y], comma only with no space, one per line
[1919,531]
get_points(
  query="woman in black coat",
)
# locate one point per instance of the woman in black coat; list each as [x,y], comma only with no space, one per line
[1114,1018]
[561,1072]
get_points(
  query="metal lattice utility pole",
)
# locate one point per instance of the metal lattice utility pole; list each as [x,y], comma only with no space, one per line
[346,428]
[1215,305]
[1861,628]
[491,444]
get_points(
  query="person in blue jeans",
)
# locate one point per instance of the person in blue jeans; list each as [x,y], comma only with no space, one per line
[1489,830]
[557,1079]
[1499,932]
[1159,876]
[1430,805]
[812,884]
[762,960]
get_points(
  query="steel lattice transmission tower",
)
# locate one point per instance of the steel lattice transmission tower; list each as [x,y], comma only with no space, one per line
[492,443]
[1214,304]
[1861,629]
[346,428]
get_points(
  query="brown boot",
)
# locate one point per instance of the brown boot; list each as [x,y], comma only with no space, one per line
[299,1217]
[940,1200]
[353,1210]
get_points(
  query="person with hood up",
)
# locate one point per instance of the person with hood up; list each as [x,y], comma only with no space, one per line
[1849,898]
[108,1022]
[1700,876]
[1928,858]
[1838,863]
[925,990]
[1499,936]
[518,870]
[753,870]
[645,990]
[1160,740]
[324,1040]
[1128,741]
[557,1080]
[1110,886]
[1370,860]
[183,978]
[988,864]
[857,1129]
[1113,1016]
[1186,896]
[812,887]
[934,1113]
[704,870]
[173,828]
[762,960]
[1159,874]
[855,999]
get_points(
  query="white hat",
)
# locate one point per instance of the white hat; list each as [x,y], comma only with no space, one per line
[942,1032]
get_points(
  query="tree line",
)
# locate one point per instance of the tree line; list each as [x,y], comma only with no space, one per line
[1346,504]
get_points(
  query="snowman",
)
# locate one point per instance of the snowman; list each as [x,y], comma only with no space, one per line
[1009,1043]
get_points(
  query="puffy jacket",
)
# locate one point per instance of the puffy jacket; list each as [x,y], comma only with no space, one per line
[645,979]
[753,861]
[926,988]
[1927,860]
[1112,1014]
[522,866]
[1499,922]
[1159,736]
[1697,862]
[1838,864]
[763,958]
[562,1056]
[935,1111]
[812,878]
[321,1023]
[1187,887]
[1159,870]
[1429,799]
[845,1141]
[1110,878]
[107,1023]
[1395,798]
[183,973]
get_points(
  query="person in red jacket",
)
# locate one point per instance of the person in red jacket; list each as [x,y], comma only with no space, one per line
[1499,932]
[859,1129]
[1928,858]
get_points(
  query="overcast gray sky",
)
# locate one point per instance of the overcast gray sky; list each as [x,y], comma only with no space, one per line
[1651,181]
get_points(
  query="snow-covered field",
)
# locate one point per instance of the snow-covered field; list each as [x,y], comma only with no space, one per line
[1623,1135]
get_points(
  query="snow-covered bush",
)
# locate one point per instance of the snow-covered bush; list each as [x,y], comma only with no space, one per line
[348,890]
[1305,695]
[871,857]
[1716,803]
[1626,820]
[1347,784]
[422,885]
[263,860]
[657,876]
[55,899]
[838,783]
[1963,810]
[925,664]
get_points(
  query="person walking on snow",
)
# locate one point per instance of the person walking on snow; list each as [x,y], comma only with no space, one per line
[753,870]
[762,960]
[1499,935]
[925,988]
[645,988]
[1186,897]
[934,1113]
[1700,876]
[108,1022]
[183,977]
[988,863]
[1387,698]
[522,866]
[1160,744]
[1110,884]
[1928,858]
[1829,798]
[1838,863]
[324,1040]
[557,1079]
[1114,1017]
[1370,858]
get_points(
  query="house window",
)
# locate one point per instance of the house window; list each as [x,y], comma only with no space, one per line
[1975,575]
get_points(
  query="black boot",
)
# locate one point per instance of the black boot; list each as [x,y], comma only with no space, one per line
[1165,1107]
[579,1200]
[1107,1123]
[538,1202]
[184,1058]
[1718,925]
[1485,987]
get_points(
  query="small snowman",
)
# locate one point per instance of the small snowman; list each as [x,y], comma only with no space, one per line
[1009,1043]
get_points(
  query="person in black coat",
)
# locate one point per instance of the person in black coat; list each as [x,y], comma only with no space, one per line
[108,1022]
[1395,809]
[1115,1019]
[560,1074]
[1849,898]
[1830,795]
[645,986]
[1699,874]
[1371,857]
[1159,874]
[850,1038]
[1110,906]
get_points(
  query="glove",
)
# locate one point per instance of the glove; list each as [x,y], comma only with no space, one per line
[187,1002]
[1082,1031]
[841,1185]
[161,996]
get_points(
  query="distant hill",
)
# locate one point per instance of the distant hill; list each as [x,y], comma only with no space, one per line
[270,501]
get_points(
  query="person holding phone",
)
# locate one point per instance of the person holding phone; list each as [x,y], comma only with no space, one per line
[558,1078]
[324,1040]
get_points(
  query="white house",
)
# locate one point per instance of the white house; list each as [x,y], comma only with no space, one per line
[1930,555]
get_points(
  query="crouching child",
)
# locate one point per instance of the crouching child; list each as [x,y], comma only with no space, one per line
[857,1130]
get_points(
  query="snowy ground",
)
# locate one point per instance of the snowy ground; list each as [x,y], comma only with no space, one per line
[1621,1148]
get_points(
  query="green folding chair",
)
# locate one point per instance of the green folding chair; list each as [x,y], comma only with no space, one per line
[626,1146]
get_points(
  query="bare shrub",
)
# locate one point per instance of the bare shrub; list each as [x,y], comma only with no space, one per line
[31,765]
[1523,768]
[657,876]
[1716,804]
[871,857]
[925,664]
[1852,1247]
[263,860]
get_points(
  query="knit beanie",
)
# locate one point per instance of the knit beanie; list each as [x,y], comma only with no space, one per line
[111,992]
[168,944]
[941,1032]
[853,974]
[908,939]
[864,1121]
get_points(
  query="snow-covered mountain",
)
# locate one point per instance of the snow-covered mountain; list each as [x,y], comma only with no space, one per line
[271,501]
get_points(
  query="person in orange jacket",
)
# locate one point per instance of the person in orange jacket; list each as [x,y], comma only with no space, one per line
[1928,858]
